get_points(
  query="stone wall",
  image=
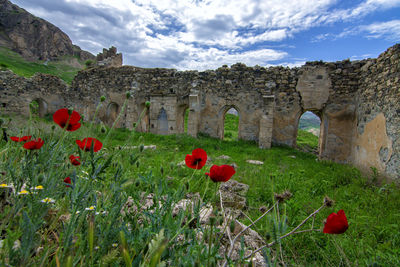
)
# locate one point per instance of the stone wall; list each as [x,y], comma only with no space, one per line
[357,103]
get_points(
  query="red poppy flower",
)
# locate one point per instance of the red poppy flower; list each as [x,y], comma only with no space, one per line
[34,144]
[336,223]
[221,173]
[67,181]
[75,160]
[62,118]
[20,139]
[86,144]
[197,160]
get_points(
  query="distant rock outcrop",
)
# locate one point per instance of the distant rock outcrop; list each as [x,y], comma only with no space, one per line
[33,37]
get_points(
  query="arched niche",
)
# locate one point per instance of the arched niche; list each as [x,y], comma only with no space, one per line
[162,120]
[112,113]
[143,118]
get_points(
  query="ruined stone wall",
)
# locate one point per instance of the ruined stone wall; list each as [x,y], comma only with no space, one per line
[377,137]
[109,58]
[16,93]
[358,103]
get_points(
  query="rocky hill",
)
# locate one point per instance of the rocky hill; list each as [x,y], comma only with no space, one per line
[33,37]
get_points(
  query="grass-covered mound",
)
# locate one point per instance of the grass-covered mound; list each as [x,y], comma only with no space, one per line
[62,68]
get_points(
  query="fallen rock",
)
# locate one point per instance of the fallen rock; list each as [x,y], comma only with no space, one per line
[233,197]
[255,162]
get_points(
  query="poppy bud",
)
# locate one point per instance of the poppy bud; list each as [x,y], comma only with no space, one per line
[102,98]
[128,94]
[263,209]
[267,236]
[147,104]
[137,164]
[134,125]
[212,220]
[328,202]
[141,148]
[281,197]
[137,183]
[103,129]
[187,185]
[70,110]
[53,127]
[232,226]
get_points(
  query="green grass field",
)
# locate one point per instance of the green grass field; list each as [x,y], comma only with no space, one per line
[13,61]
[373,211]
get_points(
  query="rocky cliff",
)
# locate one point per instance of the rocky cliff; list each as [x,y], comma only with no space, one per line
[33,37]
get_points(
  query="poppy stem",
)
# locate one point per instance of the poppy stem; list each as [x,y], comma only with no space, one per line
[204,193]
[288,234]
[340,250]
[116,120]
[244,230]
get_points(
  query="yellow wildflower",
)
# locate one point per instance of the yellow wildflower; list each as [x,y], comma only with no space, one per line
[47,200]
[23,192]
[39,187]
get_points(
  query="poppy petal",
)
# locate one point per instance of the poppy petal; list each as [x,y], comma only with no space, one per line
[62,118]
[197,160]
[336,223]
[221,173]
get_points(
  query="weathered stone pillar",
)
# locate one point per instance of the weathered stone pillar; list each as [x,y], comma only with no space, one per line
[266,122]
[337,130]
[194,115]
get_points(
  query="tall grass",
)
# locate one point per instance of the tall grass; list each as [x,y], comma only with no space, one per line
[372,210]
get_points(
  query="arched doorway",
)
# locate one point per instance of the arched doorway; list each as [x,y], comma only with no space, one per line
[182,118]
[38,107]
[229,130]
[308,132]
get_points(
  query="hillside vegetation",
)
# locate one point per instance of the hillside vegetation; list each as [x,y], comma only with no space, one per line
[66,68]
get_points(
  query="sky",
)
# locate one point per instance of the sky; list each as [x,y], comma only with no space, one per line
[206,34]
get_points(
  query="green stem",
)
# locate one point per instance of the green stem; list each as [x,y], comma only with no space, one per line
[209,245]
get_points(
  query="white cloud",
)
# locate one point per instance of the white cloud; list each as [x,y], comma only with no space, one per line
[198,34]
[389,30]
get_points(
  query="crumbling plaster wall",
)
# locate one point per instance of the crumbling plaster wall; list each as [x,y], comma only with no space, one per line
[377,137]
[358,103]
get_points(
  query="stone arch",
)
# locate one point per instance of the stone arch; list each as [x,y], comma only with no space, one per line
[143,115]
[180,118]
[112,113]
[221,120]
[42,106]
[162,120]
